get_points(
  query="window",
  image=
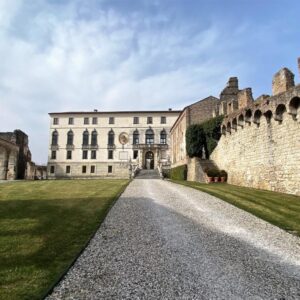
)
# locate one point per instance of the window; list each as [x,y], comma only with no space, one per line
[110,154]
[163,137]
[55,121]
[71,121]
[109,169]
[53,155]
[85,138]
[163,120]
[68,169]
[52,169]
[69,154]
[111,120]
[136,120]
[95,120]
[149,136]
[54,138]
[83,169]
[93,154]
[136,137]
[86,121]
[94,138]
[149,120]
[84,154]
[70,137]
[135,154]
[93,168]
[111,138]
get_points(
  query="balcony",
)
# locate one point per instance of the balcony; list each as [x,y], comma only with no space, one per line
[90,147]
[54,147]
[151,146]
[113,146]
[70,147]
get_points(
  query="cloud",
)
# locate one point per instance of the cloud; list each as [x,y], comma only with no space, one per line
[72,56]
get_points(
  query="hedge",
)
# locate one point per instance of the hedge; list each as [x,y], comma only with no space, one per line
[179,173]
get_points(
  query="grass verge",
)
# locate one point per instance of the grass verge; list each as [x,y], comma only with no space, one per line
[282,210]
[43,226]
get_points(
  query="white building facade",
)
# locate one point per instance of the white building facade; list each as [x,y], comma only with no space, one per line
[108,144]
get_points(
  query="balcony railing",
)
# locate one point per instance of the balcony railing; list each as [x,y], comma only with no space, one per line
[150,146]
[70,147]
[113,146]
[89,147]
[54,147]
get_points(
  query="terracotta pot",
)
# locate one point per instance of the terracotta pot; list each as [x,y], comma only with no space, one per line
[210,179]
[223,179]
[216,179]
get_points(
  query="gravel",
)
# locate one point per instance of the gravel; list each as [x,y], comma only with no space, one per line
[166,241]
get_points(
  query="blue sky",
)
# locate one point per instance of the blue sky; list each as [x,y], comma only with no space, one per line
[135,54]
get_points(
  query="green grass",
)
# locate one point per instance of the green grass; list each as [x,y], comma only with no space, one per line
[43,226]
[282,210]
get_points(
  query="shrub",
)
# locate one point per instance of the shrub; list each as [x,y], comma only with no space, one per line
[203,136]
[223,173]
[213,172]
[195,140]
[179,173]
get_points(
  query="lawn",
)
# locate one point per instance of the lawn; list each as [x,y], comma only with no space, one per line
[282,210]
[43,226]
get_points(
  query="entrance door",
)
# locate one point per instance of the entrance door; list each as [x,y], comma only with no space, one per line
[149,160]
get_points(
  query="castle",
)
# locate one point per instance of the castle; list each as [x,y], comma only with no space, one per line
[15,158]
[259,146]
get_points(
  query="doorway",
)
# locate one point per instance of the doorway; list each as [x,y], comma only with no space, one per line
[149,160]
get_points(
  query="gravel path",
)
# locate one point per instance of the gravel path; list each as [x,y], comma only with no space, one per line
[166,241]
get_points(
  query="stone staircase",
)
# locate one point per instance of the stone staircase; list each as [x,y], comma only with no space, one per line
[147,174]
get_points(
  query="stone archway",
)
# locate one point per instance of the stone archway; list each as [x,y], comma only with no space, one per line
[149,160]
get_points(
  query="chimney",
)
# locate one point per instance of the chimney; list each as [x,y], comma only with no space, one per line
[170,109]
[282,81]
[95,110]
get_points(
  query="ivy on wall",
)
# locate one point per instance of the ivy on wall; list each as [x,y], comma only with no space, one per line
[203,137]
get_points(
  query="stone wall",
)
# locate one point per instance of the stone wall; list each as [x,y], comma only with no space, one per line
[260,145]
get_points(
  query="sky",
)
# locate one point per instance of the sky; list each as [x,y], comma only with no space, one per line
[63,55]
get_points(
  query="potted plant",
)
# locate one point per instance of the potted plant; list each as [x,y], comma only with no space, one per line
[213,175]
[223,175]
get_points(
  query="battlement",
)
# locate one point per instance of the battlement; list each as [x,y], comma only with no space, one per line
[270,108]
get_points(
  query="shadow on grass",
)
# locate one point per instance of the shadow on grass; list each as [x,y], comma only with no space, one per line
[40,238]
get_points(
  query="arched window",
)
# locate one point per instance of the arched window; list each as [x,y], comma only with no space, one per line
[224,129]
[70,137]
[256,117]
[268,114]
[241,120]
[294,107]
[163,137]
[248,116]
[149,136]
[228,127]
[136,137]
[54,138]
[85,138]
[111,138]
[280,110]
[234,124]
[94,140]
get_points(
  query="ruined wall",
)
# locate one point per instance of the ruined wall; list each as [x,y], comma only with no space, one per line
[260,145]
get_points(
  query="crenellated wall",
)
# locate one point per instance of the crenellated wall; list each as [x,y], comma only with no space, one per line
[260,144]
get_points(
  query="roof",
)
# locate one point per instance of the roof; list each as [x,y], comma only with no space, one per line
[202,100]
[115,112]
